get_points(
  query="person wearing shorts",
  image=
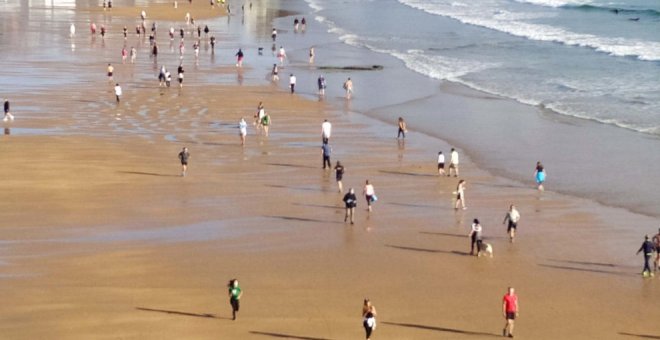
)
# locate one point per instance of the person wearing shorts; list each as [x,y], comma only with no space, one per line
[110,72]
[453,162]
[350,200]
[539,175]
[476,239]
[441,164]
[339,175]
[512,216]
[460,195]
[510,310]
[184,155]
[369,194]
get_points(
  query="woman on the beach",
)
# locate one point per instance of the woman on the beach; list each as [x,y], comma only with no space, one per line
[281,55]
[235,294]
[180,75]
[460,195]
[539,175]
[368,318]
[350,200]
[339,174]
[475,237]
[402,128]
[242,130]
[369,194]
[265,122]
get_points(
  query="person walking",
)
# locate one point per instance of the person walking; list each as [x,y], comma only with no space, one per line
[239,58]
[402,128]
[111,71]
[348,87]
[326,150]
[292,83]
[350,201]
[118,92]
[235,294]
[539,176]
[184,156]
[475,236]
[242,130]
[647,248]
[180,75]
[265,123]
[274,73]
[656,243]
[510,310]
[460,195]
[8,116]
[326,131]
[453,162]
[368,318]
[369,194]
[512,216]
[281,55]
[339,175]
[311,55]
[273,34]
[441,164]
[321,85]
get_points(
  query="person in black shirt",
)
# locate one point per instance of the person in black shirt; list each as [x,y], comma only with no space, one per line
[647,247]
[351,202]
[184,155]
[339,175]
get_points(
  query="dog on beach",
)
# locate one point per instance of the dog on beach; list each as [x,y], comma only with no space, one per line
[487,248]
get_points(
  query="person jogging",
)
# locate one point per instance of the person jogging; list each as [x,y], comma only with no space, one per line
[512,216]
[235,294]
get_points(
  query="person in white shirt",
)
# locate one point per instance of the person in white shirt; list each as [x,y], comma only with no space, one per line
[281,55]
[475,237]
[242,128]
[369,194]
[117,92]
[513,216]
[441,164]
[326,130]
[292,83]
[453,163]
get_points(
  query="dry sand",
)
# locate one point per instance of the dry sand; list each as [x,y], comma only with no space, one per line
[101,237]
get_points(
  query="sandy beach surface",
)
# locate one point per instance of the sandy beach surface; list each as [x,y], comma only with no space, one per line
[101,238]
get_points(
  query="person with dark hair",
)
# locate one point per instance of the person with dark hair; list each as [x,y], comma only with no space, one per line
[460,195]
[339,175]
[235,294]
[369,194]
[184,155]
[350,200]
[441,164]
[539,175]
[510,311]
[326,150]
[647,248]
[368,317]
[8,116]
[475,237]
[656,243]
[402,128]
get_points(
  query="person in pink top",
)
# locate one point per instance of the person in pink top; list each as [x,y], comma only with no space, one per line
[510,309]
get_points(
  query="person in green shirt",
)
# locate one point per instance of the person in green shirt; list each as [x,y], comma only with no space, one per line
[235,294]
[265,122]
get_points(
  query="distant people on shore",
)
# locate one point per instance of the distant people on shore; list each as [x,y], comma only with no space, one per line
[326,131]
[235,294]
[296,24]
[368,318]
[184,156]
[118,92]
[242,130]
[350,201]
[453,163]
[348,87]
[539,176]
[441,164]
[402,128]
[311,55]
[647,249]
[292,83]
[8,116]
[133,54]
[460,195]
[369,194]
[111,71]
[303,24]
[476,237]
[326,150]
[512,216]
[321,85]
[339,175]
[510,310]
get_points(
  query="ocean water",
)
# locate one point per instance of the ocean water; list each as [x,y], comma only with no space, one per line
[597,60]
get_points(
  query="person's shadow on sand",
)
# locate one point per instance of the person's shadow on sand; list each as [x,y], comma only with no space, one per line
[174,312]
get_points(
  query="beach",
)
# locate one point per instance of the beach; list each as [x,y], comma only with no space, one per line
[102,238]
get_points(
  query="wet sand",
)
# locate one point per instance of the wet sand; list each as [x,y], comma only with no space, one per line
[101,237]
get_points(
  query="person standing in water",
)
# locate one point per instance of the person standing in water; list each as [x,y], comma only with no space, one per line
[441,164]
[321,84]
[281,55]
[326,150]
[311,55]
[235,294]
[180,75]
[239,58]
[8,116]
[369,194]
[292,83]
[453,163]
[118,92]
[475,236]
[510,310]
[647,249]
[539,176]
[133,54]
[274,73]
[348,87]
[402,128]
[368,318]
[184,156]
[512,216]
[350,201]
[242,130]
[460,195]
[339,175]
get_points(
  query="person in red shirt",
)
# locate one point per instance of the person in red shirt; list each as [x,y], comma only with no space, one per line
[510,311]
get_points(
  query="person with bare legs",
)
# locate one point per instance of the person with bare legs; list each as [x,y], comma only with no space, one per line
[350,200]
[348,87]
[441,164]
[476,238]
[242,128]
[656,243]
[539,175]
[512,216]
[184,155]
[460,195]
[510,310]
[369,194]
[453,162]
[339,175]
